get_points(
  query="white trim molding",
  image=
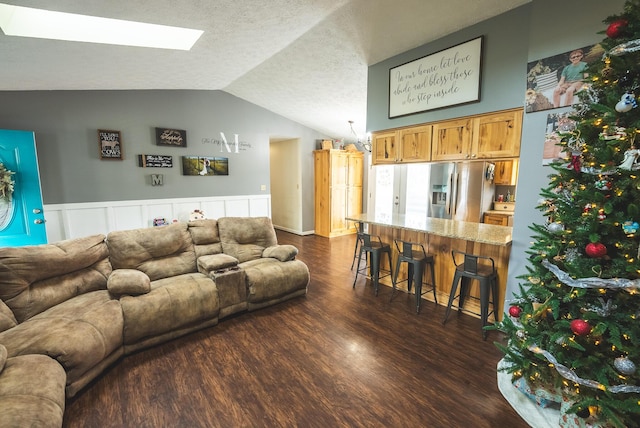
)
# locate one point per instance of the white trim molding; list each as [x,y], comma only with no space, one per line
[75,220]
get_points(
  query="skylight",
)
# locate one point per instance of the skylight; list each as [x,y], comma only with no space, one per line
[44,24]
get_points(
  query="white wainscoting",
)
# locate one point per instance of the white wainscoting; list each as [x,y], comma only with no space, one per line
[68,221]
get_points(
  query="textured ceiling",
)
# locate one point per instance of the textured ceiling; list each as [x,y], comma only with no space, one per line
[303,59]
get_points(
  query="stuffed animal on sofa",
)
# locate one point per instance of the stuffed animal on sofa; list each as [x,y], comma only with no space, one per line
[196,215]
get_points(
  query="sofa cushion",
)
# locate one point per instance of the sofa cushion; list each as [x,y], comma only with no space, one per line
[206,239]
[214,262]
[128,281]
[283,253]
[268,278]
[36,278]
[160,252]
[171,304]
[80,333]
[32,392]
[7,320]
[245,238]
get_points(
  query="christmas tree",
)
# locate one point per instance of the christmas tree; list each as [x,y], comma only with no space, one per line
[573,329]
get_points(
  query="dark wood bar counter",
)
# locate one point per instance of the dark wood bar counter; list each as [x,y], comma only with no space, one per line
[440,236]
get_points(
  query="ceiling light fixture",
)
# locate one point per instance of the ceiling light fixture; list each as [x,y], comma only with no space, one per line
[365,144]
[45,24]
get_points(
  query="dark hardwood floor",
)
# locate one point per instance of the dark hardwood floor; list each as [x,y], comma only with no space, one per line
[339,357]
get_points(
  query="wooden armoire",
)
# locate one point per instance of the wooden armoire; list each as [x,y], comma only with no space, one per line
[338,190]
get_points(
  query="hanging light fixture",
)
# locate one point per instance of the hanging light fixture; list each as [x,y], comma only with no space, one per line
[366,144]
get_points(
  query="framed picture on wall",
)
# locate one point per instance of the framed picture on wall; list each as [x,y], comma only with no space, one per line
[171,137]
[110,144]
[205,165]
[442,79]
[555,81]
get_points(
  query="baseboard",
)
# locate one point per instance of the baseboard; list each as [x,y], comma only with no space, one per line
[295,232]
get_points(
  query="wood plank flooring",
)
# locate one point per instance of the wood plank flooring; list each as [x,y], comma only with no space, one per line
[339,357]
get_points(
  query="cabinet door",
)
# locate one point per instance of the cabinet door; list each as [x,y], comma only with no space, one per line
[451,140]
[497,219]
[339,170]
[354,200]
[355,169]
[503,173]
[497,135]
[415,144]
[338,209]
[384,147]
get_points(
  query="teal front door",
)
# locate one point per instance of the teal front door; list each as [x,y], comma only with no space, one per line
[21,215]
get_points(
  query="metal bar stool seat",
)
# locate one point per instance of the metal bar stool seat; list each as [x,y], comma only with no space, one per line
[373,248]
[487,276]
[417,260]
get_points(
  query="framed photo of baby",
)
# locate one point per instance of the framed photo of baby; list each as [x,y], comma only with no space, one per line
[555,81]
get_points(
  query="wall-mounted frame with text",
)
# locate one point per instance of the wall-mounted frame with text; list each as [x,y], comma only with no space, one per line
[449,77]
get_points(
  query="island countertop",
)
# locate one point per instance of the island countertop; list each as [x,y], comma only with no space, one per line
[476,232]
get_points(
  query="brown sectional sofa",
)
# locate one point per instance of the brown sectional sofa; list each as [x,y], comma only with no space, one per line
[70,309]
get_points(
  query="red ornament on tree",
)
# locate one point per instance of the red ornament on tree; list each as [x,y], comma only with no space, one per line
[616,28]
[595,250]
[515,311]
[580,327]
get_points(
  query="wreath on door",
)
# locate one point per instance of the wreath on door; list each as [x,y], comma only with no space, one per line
[6,183]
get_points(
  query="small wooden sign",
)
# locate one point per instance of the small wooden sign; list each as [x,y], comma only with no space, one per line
[155,161]
[110,144]
[171,137]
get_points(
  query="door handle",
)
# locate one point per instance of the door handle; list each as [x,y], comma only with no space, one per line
[39,221]
[37,210]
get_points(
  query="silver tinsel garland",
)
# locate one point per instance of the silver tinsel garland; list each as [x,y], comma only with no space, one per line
[611,283]
[569,374]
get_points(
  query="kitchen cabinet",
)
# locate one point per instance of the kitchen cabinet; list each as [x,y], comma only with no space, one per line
[506,173]
[487,136]
[452,140]
[500,219]
[384,147]
[497,135]
[404,145]
[415,144]
[338,190]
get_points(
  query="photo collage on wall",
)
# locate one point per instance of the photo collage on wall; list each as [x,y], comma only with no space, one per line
[555,82]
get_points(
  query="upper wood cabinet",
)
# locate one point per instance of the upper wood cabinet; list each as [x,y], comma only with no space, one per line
[506,173]
[384,147]
[497,135]
[415,144]
[402,145]
[452,140]
[489,136]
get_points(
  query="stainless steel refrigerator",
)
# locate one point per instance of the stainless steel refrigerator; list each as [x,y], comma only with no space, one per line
[460,190]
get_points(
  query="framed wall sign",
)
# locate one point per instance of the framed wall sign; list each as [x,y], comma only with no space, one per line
[110,144]
[155,161]
[171,137]
[442,79]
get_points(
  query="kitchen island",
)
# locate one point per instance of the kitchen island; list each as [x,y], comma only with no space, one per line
[439,237]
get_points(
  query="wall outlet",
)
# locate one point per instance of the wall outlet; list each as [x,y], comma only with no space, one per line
[263,187]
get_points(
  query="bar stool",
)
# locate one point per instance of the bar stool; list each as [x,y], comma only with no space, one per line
[359,230]
[417,260]
[467,271]
[373,248]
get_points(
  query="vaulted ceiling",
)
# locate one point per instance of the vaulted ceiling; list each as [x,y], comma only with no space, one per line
[303,59]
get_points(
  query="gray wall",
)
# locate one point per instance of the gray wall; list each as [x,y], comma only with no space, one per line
[503,70]
[66,124]
[536,30]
